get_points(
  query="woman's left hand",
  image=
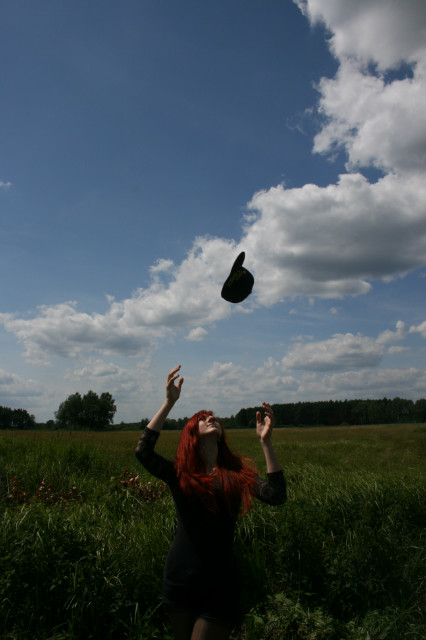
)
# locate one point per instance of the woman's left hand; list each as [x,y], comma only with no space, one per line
[264,427]
[172,389]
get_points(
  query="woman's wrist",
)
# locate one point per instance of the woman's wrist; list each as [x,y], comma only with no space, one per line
[272,462]
[169,404]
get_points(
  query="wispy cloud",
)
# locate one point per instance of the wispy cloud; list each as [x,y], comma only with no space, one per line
[13,386]
[197,335]
[421,328]
[346,365]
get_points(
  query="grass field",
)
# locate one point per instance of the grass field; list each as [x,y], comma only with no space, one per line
[83,539]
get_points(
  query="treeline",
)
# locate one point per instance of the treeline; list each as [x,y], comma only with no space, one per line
[340,412]
[96,413]
[327,413]
[90,412]
[16,419]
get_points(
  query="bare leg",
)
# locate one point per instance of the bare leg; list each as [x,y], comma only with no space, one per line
[210,630]
[182,621]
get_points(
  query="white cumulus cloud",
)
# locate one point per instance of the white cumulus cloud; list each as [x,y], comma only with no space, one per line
[341,352]
[377,123]
[312,241]
[387,32]
[332,241]
[190,298]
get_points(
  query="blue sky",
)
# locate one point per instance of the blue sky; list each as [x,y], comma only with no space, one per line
[145,144]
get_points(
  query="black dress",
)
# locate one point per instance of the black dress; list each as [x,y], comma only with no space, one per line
[200,571]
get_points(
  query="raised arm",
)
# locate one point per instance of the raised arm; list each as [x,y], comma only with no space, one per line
[264,432]
[172,395]
[152,461]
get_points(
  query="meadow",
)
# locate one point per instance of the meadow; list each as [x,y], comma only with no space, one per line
[85,531]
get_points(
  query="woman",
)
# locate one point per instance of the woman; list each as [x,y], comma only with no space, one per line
[209,485]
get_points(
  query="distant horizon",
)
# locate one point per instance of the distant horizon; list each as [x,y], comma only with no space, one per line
[255,407]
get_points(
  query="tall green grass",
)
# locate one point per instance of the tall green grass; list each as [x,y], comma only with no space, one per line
[344,559]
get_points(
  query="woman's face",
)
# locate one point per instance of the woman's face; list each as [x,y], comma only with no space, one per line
[208,426]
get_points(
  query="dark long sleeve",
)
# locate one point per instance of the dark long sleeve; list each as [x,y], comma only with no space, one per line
[154,463]
[273,490]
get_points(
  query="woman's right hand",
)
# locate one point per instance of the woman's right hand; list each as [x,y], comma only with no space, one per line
[172,389]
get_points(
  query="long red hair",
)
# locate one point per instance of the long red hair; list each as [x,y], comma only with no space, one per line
[236,475]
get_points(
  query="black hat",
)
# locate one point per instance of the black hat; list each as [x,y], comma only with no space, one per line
[239,283]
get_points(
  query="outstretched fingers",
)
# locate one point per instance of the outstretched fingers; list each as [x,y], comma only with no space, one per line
[173,373]
[173,391]
[268,411]
[264,427]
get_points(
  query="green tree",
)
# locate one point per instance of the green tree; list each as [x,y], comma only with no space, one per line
[22,419]
[87,412]
[6,417]
[420,410]
[242,418]
[16,419]
[107,408]
[68,416]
